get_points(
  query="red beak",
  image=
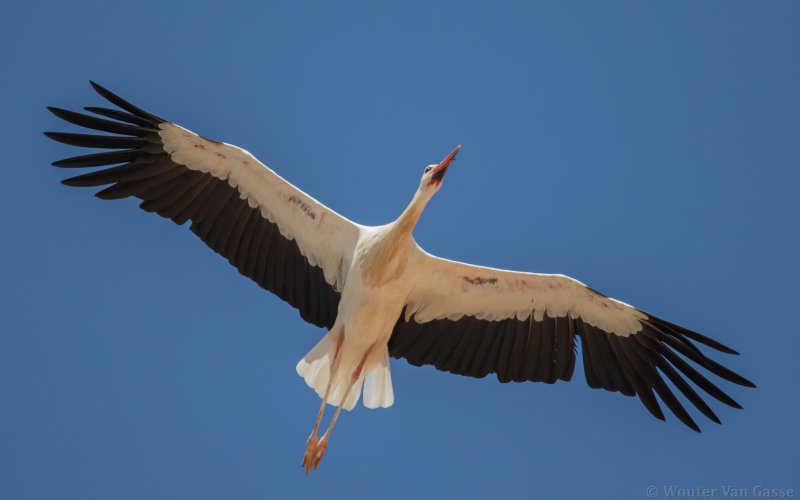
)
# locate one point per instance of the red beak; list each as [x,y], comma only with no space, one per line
[441,168]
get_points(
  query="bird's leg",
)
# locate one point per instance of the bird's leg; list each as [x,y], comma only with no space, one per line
[333,370]
[323,443]
[313,439]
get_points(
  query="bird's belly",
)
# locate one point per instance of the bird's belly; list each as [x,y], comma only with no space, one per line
[372,300]
[368,315]
[371,318]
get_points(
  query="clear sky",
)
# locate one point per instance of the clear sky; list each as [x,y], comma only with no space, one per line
[649,149]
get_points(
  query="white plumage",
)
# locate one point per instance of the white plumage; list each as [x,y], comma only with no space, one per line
[324,237]
[375,290]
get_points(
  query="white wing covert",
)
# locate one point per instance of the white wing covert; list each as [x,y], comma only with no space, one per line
[275,234]
[473,321]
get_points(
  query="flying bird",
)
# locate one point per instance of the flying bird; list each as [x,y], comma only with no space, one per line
[375,290]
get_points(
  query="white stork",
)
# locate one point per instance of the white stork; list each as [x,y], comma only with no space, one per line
[376,291]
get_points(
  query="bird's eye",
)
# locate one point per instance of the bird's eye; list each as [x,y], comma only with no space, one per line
[428,168]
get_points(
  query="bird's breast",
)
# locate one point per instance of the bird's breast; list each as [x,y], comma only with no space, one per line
[382,259]
[376,290]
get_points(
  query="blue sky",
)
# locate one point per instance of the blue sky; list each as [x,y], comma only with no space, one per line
[648,149]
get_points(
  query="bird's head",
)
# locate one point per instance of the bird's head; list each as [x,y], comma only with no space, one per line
[433,175]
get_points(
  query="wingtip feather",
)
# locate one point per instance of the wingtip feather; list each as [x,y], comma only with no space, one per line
[123,104]
[748,383]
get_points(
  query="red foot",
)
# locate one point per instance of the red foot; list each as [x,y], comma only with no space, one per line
[309,458]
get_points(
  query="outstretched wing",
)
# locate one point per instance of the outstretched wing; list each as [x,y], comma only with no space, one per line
[275,234]
[474,321]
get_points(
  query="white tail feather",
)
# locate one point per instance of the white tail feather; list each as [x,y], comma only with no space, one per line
[378,391]
[315,368]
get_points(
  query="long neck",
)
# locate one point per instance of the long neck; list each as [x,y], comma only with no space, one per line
[408,219]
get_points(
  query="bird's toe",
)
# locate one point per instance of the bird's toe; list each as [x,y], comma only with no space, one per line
[321,447]
[312,450]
